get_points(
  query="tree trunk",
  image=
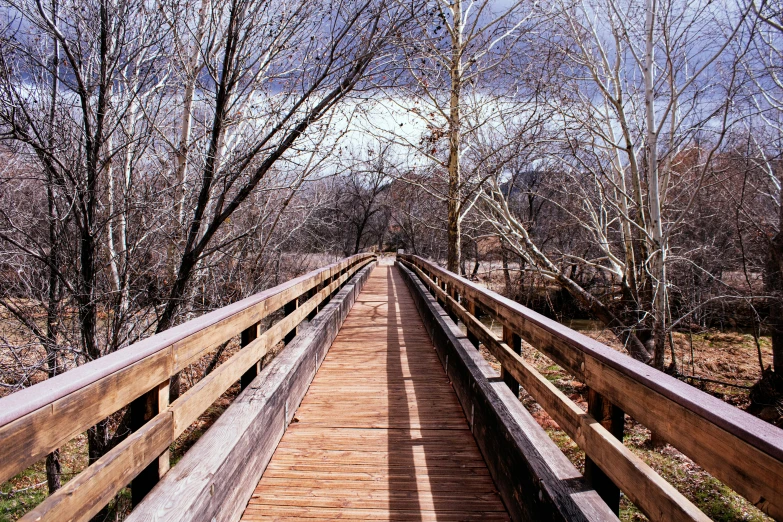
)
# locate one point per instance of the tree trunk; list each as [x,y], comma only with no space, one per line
[182,153]
[359,233]
[53,471]
[658,254]
[453,256]
[773,283]
[53,468]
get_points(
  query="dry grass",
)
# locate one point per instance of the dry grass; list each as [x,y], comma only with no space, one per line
[730,358]
[719,356]
[28,488]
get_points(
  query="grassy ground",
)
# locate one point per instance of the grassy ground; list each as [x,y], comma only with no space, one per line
[28,489]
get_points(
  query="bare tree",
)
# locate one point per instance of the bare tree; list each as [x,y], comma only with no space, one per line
[630,113]
[71,104]
[360,199]
[452,63]
[313,58]
[767,100]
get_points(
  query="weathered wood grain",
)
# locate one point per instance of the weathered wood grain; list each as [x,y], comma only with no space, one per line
[515,343]
[36,420]
[380,434]
[83,496]
[26,440]
[535,479]
[247,336]
[217,476]
[144,409]
[741,450]
[613,419]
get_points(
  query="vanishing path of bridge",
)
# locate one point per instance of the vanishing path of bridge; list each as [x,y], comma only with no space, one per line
[379,406]
[380,434]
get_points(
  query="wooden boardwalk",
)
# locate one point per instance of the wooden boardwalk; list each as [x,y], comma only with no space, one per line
[380,434]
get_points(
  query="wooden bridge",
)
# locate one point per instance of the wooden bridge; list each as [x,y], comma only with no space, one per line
[380,407]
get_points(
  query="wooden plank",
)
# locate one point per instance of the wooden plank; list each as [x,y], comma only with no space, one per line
[38,419]
[86,494]
[471,308]
[741,450]
[196,400]
[534,477]
[658,499]
[752,473]
[380,434]
[144,409]
[325,484]
[613,419]
[282,512]
[216,477]
[515,343]
[247,336]
[30,438]
[392,472]
[370,500]
[189,406]
[194,347]
[288,309]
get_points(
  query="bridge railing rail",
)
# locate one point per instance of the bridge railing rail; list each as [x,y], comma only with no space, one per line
[739,449]
[39,419]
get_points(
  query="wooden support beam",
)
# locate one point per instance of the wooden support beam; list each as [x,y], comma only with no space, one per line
[249,335]
[288,309]
[470,305]
[515,343]
[315,311]
[643,486]
[742,451]
[164,461]
[144,409]
[613,419]
[326,283]
[449,288]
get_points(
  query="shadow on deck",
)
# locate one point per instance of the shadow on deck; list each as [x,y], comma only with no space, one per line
[380,434]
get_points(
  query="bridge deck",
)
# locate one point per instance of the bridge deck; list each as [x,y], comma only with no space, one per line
[380,434]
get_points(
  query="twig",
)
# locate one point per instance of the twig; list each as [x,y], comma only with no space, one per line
[15,491]
[704,379]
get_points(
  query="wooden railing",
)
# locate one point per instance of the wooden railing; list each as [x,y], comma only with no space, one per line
[735,447]
[40,419]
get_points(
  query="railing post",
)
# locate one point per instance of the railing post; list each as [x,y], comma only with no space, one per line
[515,343]
[470,306]
[249,335]
[143,409]
[288,309]
[449,288]
[315,311]
[613,419]
[326,283]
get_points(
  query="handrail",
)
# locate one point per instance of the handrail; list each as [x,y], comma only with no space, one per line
[741,450]
[39,419]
